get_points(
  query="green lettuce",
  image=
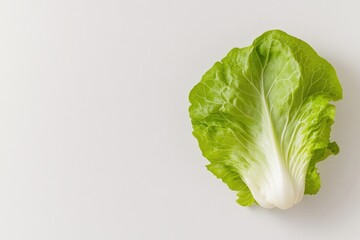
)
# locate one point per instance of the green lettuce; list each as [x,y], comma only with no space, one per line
[262,117]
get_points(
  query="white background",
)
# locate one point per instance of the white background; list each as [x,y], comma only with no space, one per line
[95,138]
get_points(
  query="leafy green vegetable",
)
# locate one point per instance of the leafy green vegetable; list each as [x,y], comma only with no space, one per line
[262,117]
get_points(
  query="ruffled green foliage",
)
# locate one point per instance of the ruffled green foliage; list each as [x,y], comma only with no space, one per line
[262,117]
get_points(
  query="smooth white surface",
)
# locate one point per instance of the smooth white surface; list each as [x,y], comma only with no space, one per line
[95,138]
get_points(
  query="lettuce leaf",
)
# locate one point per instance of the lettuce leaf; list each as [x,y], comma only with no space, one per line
[262,117]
